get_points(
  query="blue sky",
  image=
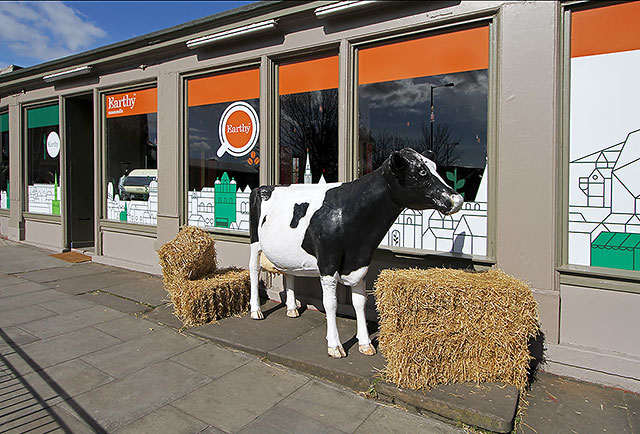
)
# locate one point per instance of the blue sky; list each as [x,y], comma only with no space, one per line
[34,32]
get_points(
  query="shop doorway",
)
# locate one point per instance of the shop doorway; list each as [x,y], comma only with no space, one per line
[78,118]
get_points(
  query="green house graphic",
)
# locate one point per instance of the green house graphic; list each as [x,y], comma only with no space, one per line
[225,201]
[616,250]
[55,203]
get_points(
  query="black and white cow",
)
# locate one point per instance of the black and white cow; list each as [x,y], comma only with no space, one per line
[332,230]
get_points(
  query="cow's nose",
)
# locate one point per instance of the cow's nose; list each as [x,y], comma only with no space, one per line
[456,203]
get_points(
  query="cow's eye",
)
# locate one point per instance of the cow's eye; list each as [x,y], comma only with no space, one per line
[423,172]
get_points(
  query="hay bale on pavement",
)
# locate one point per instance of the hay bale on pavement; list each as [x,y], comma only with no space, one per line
[200,292]
[190,255]
[442,326]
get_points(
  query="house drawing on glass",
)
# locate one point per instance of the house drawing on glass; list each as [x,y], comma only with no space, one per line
[44,198]
[604,206]
[4,199]
[223,206]
[463,232]
[133,211]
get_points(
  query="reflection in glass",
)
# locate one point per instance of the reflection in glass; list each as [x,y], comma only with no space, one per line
[309,127]
[132,175]
[219,186]
[43,166]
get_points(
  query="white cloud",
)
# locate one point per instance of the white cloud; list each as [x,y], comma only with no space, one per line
[46,30]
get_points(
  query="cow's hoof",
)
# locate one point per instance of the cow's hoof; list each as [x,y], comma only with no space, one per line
[257,314]
[337,352]
[367,350]
[293,313]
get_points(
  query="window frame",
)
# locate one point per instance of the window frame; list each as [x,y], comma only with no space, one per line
[492,22]
[612,279]
[103,221]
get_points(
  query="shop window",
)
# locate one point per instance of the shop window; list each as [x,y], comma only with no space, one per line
[223,148]
[431,94]
[604,138]
[43,160]
[131,156]
[4,156]
[309,121]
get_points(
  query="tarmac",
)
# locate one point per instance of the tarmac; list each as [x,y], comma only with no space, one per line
[90,348]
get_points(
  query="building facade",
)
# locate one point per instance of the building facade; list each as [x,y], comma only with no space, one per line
[112,150]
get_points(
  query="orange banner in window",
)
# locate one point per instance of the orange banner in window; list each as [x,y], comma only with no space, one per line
[235,86]
[607,29]
[137,102]
[464,50]
[310,75]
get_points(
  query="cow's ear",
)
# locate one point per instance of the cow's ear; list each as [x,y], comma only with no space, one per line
[398,163]
[430,155]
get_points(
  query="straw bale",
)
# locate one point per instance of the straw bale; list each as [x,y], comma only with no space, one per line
[190,255]
[200,292]
[441,326]
[221,294]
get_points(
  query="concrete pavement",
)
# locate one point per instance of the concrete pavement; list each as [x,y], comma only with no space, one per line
[91,348]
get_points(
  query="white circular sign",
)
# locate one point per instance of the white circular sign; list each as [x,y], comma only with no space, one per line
[238,129]
[53,144]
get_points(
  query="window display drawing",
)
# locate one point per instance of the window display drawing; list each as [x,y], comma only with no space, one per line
[131,153]
[4,168]
[223,149]
[604,162]
[43,160]
[440,104]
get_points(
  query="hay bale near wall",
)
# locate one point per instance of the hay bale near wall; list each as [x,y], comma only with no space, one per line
[200,292]
[442,326]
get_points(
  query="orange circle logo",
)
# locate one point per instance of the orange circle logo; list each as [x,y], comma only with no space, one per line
[238,129]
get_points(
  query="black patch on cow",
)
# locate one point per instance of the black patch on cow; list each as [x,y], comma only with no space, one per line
[255,202]
[264,220]
[265,191]
[299,211]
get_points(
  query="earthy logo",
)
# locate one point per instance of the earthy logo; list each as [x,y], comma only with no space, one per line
[53,144]
[117,103]
[238,129]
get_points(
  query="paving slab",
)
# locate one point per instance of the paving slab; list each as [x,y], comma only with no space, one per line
[146,289]
[92,282]
[329,405]
[558,405]
[260,337]
[488,406]
[30,298]
[23,314]
[387,420]
[7,280]
[58,349]
[125,358]
[126,328]
[212,360]
[14,336]
[23,287]
[71,321]
[32,262]
[308,353]
[632,402]
[233,401]
[113,301]
[280,420]
[117,404]
[66,305]
[163,315]
[63,272]
[167,419]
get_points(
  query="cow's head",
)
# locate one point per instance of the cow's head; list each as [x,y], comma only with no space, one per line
[415,183]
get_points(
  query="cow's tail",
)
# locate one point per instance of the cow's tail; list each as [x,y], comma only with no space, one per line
[255,201]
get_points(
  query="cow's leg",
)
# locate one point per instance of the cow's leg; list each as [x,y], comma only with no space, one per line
[359,299]
[292,307]
[330,302]
[254,275]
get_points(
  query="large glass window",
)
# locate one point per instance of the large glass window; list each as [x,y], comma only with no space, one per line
[223,148]
[43,160]
[4,161]
[604,138]
[309,121]
[431,94]
[131,156]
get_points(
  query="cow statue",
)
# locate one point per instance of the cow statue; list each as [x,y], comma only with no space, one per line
[331,231]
